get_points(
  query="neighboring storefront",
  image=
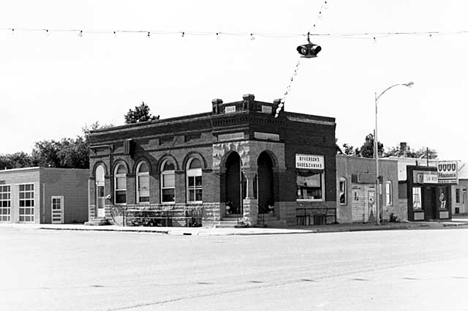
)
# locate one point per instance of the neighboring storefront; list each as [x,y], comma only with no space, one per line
[428,193]
[238,163]
[357,195]
[43,195]
[460,191]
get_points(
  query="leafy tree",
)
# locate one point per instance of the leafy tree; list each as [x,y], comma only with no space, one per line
[16,160]
[349,150]
[139,114]
[367,149]
[64,153]
[67,152]
[422,153]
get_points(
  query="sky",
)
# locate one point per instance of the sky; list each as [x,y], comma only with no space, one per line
[55,82]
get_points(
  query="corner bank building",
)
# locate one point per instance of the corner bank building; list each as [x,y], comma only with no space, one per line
[236,163]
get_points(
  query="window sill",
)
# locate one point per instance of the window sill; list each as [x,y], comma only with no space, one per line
[310,200]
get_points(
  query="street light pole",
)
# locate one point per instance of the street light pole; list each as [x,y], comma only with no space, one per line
[376,152]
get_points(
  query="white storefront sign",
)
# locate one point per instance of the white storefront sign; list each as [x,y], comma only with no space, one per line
[229,109]
[426,177]
[447,172]
[310,162]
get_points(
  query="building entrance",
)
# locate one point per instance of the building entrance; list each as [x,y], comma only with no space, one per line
[233,185]
[265,184]
[429,205]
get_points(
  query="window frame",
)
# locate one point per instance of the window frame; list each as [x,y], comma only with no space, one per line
[5,203]
[140,175]
[389,193]
[118,176]
[414,195]
[25,211]
[194,173]
[322,187]
[343,181]
[162,186]
[457,195]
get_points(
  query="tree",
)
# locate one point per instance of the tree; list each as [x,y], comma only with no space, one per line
[367,149]
[422,153]
[64,153]
[139,114]
[16,160]
[349,150]
[67,152]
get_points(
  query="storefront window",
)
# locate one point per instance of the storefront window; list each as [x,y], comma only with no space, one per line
[310,177]
[417,198]
[309,185]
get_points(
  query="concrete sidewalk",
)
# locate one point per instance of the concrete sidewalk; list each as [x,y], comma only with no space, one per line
[210,231]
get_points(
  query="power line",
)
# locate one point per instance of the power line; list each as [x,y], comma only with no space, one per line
[251,35]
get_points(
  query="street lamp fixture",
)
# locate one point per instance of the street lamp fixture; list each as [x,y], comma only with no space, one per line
[376,151]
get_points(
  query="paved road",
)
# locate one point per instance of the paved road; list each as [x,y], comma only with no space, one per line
[376,270]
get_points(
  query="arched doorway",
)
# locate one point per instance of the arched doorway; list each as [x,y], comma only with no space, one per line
[233,185]
[265,183]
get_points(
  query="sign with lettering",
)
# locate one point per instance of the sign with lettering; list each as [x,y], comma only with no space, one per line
[425,177]
[229,109]
[447,172]
[310,162]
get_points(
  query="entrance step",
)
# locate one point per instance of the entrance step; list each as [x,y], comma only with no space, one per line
[229,222]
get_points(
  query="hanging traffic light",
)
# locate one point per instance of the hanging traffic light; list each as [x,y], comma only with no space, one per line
[309,50]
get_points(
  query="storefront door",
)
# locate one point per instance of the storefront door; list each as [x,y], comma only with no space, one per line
[265,184]
[429,203]
[57,208]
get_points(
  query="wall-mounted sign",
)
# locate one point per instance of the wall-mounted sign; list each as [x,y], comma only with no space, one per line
[447,172]
[310,162]
[425,177]
[229,109]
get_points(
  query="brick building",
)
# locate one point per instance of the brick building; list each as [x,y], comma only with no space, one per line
[44,195]
[237,162]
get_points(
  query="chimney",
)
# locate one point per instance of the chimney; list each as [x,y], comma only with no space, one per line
[248,101]
[216,103]
[403,148]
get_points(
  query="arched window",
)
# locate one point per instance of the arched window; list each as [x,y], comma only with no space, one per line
[194,181]
[142,184]
[168,182]
[120,184]
[343,191]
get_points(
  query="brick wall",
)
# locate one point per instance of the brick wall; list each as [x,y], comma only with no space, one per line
[72,184]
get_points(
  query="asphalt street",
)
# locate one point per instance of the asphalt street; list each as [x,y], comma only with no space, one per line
[371,270]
